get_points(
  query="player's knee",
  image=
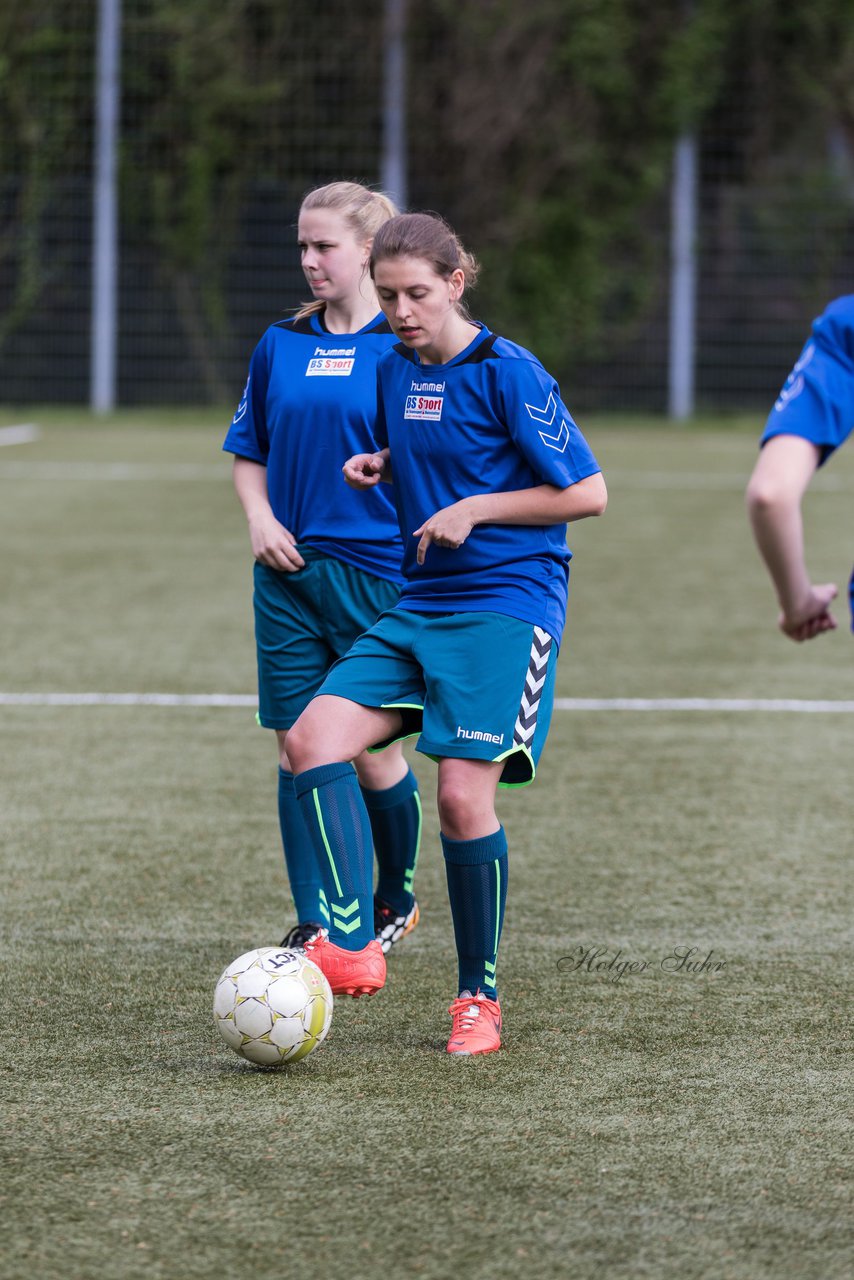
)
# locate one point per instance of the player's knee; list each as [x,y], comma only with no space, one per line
[459,809]
[760,495]
[302,742]
[767,491]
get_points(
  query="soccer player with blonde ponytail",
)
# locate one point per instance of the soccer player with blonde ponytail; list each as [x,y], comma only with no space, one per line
[327,562]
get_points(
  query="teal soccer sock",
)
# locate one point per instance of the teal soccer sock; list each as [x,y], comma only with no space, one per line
[303,871]
[477,888]
[395,817]
[334,813]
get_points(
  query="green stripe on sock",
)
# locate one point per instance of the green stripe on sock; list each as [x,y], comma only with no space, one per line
[497,903]
[416,796]
[347,928]
[325,841]
[346,911]
[341,914]
[409,873]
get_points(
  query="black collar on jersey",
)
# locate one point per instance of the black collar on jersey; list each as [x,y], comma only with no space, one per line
[483,351]
[303,324]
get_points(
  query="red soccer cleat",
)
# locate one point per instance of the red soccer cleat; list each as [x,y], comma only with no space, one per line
[477,1025]
[349,973]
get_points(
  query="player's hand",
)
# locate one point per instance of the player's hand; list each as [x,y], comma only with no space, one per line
[274,545]
[364,470]
[812,617]
[447,528]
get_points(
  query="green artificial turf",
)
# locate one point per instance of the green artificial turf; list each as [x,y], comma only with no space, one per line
[642,1120]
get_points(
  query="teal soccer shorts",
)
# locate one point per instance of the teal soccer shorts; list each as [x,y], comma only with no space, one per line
[474,686]
[304,622]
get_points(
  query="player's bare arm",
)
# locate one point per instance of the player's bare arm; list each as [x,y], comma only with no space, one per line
[272,544]
[774,494]
[364,470]
[542,504]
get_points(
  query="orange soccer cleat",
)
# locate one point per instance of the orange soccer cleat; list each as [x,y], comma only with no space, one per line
[477,1025]
[349,973]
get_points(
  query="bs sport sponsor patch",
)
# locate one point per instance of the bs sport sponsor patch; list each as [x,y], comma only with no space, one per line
[331,362]
[425,401]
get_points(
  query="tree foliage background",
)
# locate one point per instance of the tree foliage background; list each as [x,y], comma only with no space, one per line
[544,131]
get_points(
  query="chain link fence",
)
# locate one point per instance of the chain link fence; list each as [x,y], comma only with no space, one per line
[229,112]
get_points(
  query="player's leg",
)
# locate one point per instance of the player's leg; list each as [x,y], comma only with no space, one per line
[312,910]
[475,851]
[356,599]
[331,732]
[369,699]
[486,722]
[293,658]
[390,792]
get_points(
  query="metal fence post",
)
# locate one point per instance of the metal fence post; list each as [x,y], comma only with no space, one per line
[102,362]
[393,178]
[683,279]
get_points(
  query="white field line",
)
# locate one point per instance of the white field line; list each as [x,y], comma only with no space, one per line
[797,705]
[21,433]
[790,705]
[112,471]
[128,700]
[623,478]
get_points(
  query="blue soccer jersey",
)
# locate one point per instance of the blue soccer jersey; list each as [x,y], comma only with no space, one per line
[817,401]
[489,421]
[310,404]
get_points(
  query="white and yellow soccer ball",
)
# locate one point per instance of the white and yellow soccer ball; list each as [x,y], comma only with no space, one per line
[272,1006]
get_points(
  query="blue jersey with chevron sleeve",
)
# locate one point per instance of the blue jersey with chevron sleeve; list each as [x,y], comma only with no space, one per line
[310,404]
[489,421]
[817,401]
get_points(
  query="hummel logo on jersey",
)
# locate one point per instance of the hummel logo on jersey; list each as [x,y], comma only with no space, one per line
[546,415]
[334,362]
[427,386]
[477,735]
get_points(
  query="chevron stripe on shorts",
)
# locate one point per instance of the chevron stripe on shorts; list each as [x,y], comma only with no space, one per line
[538,665]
